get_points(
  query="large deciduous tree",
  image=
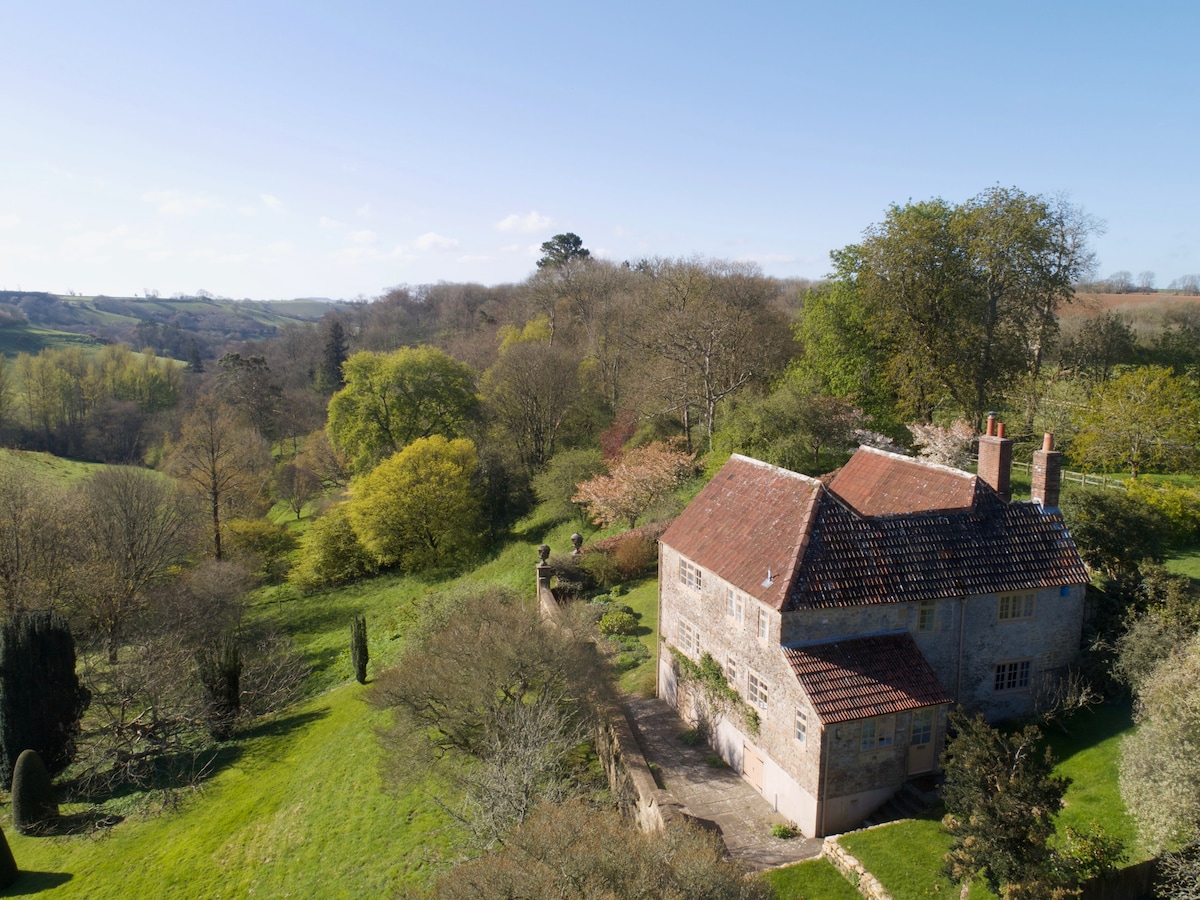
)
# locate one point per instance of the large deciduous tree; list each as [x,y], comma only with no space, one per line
[136,530]
[707,329]
[419,508]
[1141,419]
[955,301]
[221,461]
[392,399]
[536,398]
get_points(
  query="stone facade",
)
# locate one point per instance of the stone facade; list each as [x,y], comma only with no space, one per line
[847,635]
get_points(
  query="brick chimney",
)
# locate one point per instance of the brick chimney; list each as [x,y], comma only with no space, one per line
[1047,473]
[995,457]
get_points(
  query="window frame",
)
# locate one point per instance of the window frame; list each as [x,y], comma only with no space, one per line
[925,718]
[800,727]
[927,616]
[690,575]
[882,731]
[731,671]
[757,693]
[1020,606]
[689,638]
[764,625]
[1012,676]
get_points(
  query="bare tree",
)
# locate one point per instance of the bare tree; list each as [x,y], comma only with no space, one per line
[220,461]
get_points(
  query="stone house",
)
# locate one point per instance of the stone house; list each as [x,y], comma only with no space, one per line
[846,614]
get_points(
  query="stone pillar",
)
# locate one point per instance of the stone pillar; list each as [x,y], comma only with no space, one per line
[995,458]
[1047,473]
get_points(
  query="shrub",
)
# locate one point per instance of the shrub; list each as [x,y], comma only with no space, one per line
[785,831]
[618,622]
[635,557]
[8,865]
[358,648]
[220,669]
[265,545]
[34,810]
[331,553]
[693,737]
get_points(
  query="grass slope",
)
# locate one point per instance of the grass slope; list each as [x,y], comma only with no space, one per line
[300,811]
[45,465]
[816,879]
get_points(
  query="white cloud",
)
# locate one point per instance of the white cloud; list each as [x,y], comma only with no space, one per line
[366,236]
[431,240]
[327,222]
[270,201]
[248,210]
[178,203]
[279,248]
[524,224]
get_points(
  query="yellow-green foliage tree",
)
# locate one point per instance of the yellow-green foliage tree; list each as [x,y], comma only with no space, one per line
[392,399]
[419,509]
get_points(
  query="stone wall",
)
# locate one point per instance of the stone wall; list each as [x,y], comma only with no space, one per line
[868,885]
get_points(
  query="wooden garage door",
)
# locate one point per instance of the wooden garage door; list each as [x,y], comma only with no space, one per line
[752,766]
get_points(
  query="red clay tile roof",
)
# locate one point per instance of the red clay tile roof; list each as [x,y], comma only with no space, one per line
[990,547]
[750,519]
[865,677]
[878,483]
[821,551]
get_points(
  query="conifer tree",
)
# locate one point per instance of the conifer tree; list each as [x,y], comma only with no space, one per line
[8,865]
[220,670]
[34,810]
[358,648]
[41,698]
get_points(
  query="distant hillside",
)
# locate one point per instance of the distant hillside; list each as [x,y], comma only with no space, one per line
[30,320]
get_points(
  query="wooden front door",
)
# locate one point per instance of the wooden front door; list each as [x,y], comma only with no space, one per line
[752,766]
[920,746]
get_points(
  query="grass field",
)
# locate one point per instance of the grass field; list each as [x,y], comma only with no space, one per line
[46,466]
[296,805]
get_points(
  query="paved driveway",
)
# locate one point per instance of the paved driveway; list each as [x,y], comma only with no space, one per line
[717,795]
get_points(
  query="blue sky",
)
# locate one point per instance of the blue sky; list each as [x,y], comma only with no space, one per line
[272,150]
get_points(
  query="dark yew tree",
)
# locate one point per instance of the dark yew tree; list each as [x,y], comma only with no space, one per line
[41,698]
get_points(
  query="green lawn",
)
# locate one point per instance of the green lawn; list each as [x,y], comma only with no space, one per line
[1090,755]
[296,806]
[643,600]
[44,465]
[906,857]
[298,810]
[815,879]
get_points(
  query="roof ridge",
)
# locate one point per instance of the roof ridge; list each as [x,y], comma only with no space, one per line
[917,460]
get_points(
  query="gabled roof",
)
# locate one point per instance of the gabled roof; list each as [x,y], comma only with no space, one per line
[751,519]
[865,677]
[822,549]
[878,483]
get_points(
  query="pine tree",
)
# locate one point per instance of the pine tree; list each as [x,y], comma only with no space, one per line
[358,648]
[329,378]
[41,698]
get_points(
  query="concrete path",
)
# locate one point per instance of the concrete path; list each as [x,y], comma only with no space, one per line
[715,795]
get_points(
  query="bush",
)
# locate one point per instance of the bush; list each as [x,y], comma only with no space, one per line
[784,831]
[635,557]
[618,622]
[265,545]
[8,865]
[331,553]
[34,810]
[220,669]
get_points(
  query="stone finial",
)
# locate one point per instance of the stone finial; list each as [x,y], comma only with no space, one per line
[543,552]
[576,543]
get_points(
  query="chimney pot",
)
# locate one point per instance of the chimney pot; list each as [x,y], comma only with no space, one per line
[1048,441]
[991,424]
